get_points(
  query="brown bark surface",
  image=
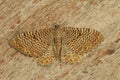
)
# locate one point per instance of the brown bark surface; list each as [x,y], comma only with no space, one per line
[102,63]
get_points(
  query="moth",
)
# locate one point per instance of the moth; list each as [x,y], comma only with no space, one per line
[66,44]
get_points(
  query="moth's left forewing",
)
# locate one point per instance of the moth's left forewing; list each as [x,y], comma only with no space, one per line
[37,44]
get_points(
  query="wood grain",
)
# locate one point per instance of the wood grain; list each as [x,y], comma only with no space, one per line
[18,16]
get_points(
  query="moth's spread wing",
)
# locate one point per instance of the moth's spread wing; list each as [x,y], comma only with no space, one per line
[37,44]
[78,41]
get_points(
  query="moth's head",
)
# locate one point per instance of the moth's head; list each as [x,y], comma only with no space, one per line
[56,26]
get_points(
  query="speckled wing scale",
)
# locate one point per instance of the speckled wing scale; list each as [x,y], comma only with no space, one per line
[67,44]
[76,42]
[37,44]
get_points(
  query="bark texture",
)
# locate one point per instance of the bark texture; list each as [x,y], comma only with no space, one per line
[102,63]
